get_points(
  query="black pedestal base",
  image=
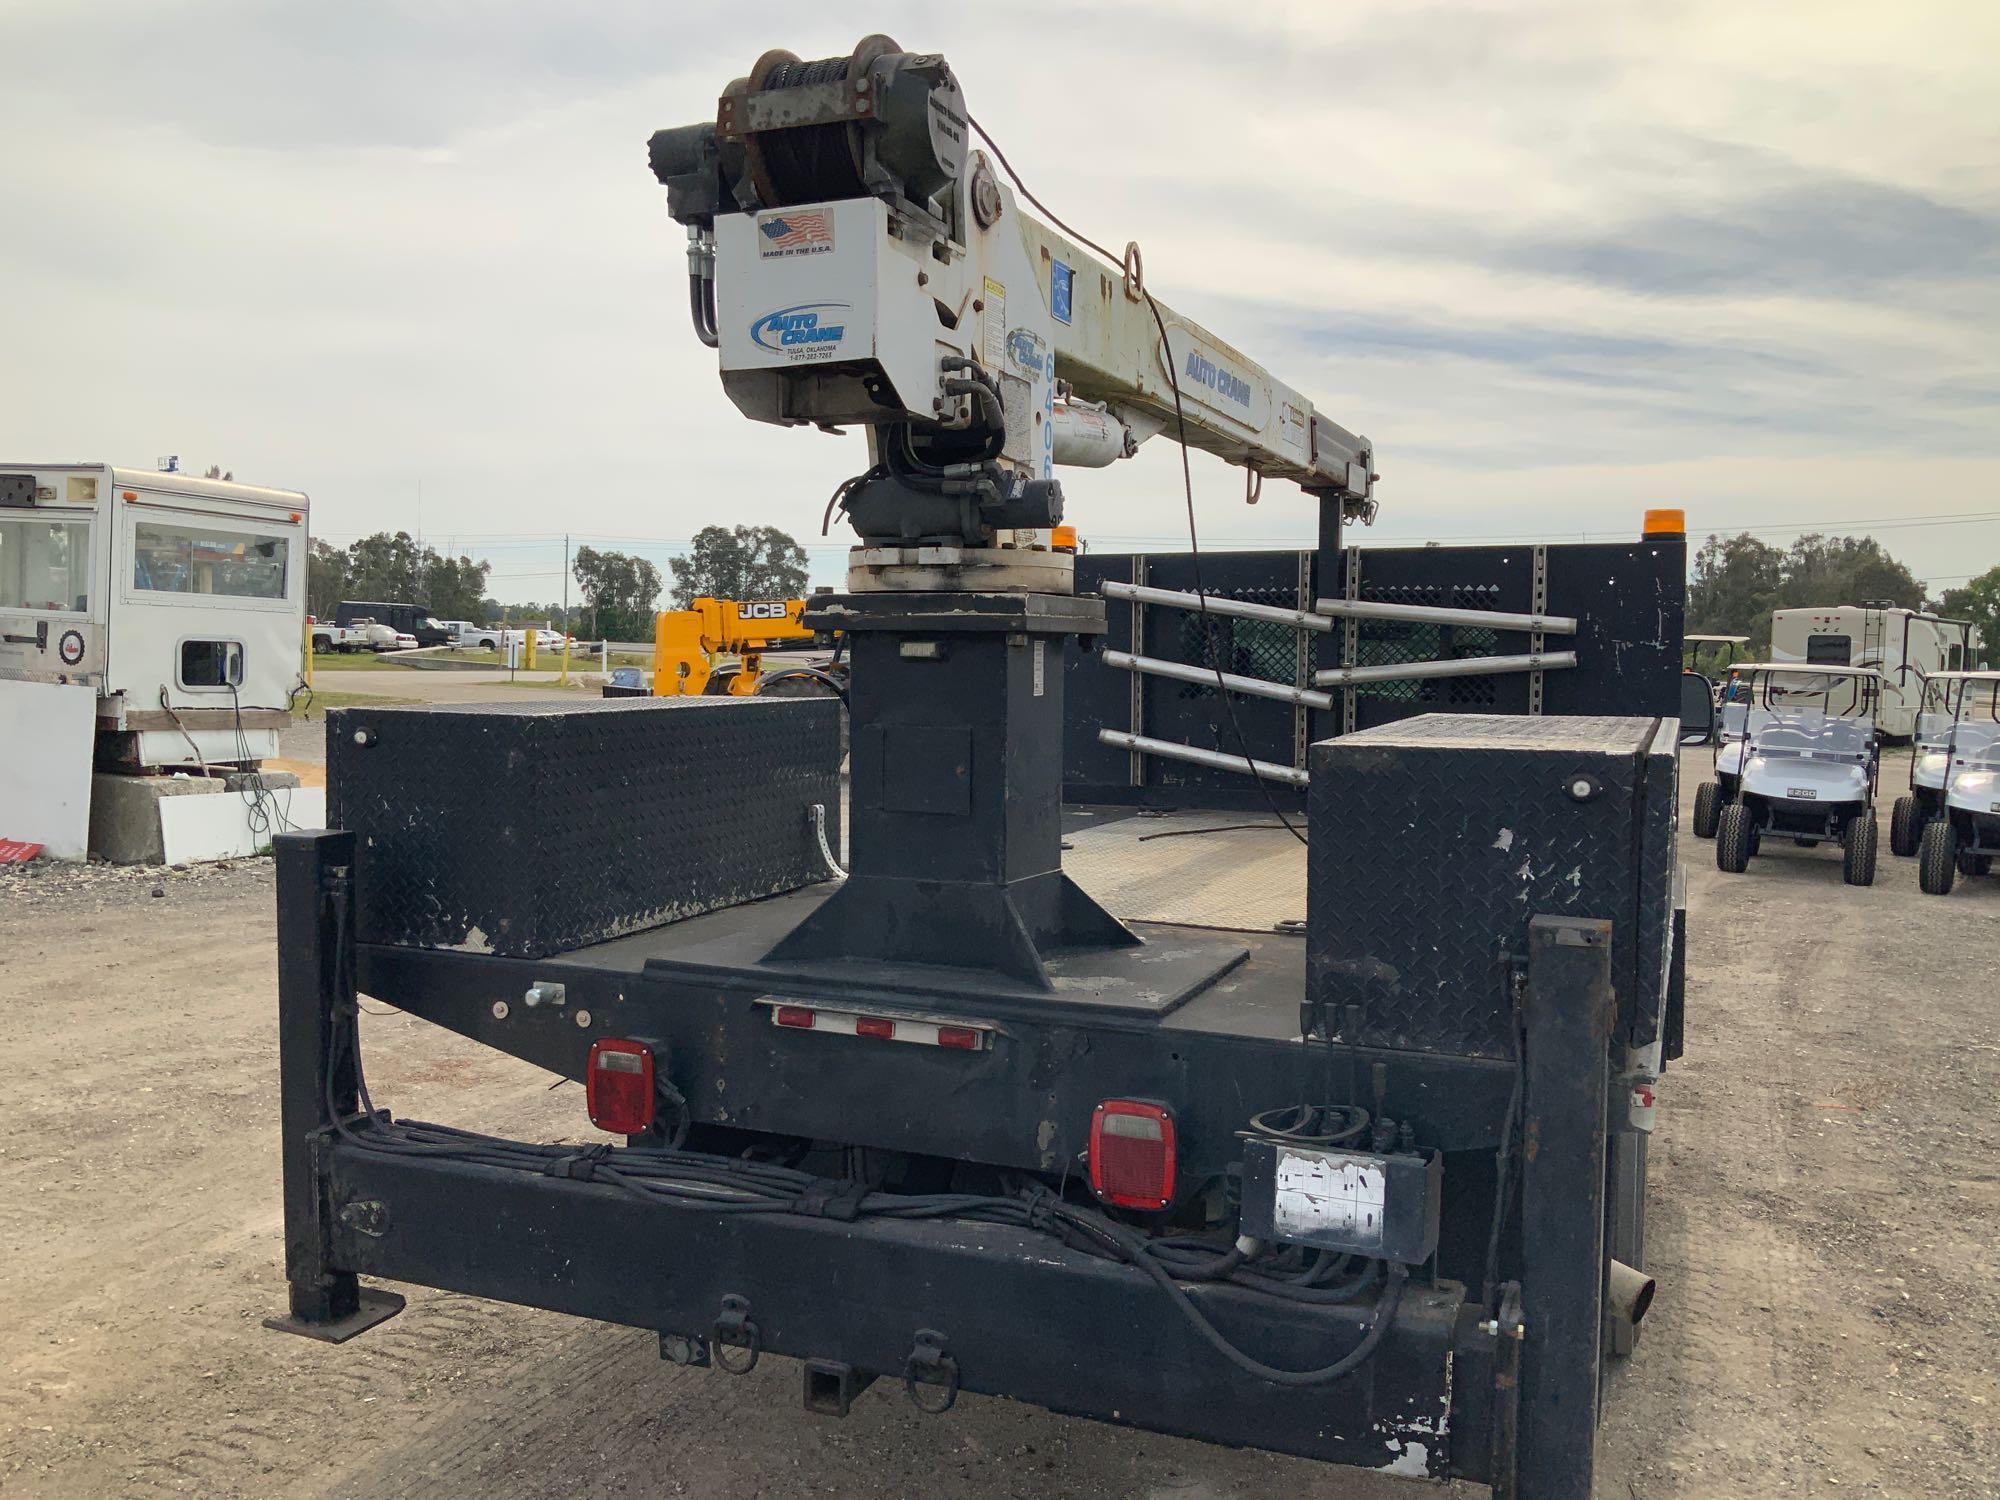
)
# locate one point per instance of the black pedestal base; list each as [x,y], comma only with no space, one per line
[956,924]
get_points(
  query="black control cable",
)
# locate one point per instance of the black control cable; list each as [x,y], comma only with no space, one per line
[1187,473]
[670,1176]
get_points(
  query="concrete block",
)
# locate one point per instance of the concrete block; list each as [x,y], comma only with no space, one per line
[125,813]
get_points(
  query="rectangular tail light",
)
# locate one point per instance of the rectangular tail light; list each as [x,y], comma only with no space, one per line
[1132,1154]
[618,1086]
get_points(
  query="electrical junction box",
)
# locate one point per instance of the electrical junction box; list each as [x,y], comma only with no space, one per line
[1384,1207]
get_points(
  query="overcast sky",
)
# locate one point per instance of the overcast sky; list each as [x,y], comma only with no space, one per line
[1560,261]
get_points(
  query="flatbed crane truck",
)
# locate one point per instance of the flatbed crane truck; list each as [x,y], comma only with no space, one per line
[1366,1189]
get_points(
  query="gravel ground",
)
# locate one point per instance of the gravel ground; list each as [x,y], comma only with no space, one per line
[1824,1221]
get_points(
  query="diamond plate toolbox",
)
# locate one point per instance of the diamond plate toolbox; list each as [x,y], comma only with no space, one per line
[531,829]
[1436,839]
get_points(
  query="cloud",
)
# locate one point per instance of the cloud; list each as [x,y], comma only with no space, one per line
[1831,235]
[1557,260]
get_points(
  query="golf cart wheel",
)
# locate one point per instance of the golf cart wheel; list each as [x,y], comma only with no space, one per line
[1973,864]
[1707,807]
[1733,839]
[1857,844]
[1905,827]
[1937,858]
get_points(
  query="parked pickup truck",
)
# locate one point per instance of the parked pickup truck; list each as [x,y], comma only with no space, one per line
[343,638]
[496,638]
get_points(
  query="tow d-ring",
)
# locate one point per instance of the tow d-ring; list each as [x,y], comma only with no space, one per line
[734,1330]
[929,1365]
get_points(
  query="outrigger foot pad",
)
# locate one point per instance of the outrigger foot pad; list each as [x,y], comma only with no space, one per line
[373,1307]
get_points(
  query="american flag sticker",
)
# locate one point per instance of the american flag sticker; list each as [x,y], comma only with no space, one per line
[794,231]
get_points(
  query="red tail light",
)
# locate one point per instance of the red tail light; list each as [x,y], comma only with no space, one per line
[618,1086]
[1132,1154]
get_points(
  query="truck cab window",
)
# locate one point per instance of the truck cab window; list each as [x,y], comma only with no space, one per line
[193,559]
[44,564]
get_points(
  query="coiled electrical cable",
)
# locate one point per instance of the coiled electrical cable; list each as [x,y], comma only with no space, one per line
[672,1177]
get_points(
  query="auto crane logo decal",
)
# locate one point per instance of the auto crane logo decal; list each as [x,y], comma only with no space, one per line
[810,330]
[1201,370]
[1026,349]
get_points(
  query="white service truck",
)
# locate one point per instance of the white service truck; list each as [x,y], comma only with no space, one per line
[147,621]
[1904,645]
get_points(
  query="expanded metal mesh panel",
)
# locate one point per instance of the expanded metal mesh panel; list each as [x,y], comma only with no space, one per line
[1435,840]
[531,829]
[1627,596]
[1393,642]
[1249,648]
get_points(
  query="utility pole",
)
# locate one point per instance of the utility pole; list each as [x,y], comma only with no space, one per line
[423,583]
[566,629]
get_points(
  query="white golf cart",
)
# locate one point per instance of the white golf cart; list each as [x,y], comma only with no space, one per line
[1965,835]
[1798,759]
[1937,705]
[1732,708]
[1713,656]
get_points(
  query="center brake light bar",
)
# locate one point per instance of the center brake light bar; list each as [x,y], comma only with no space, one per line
[885,1026]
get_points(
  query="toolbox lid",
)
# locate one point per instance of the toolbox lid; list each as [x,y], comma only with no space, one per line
[1599,733]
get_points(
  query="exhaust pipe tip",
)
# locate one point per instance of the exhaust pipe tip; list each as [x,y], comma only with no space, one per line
[1627,1295]
[1630,1292]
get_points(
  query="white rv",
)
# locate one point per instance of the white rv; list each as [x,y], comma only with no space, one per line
[1904,645]
[179,601]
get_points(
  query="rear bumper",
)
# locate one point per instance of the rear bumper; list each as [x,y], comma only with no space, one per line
[1018,1313]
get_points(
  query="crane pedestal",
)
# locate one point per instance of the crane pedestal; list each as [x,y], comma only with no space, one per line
[955,800]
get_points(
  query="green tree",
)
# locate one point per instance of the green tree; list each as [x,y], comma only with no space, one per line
[326,579]
[1739,580]
[1735,580]
[746,562]
[396,569]
[452,586]
[1979,602]
[384,566]
[620,592]
[1845,570]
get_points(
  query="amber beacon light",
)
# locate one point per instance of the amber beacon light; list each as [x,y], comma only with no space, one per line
[1664,523]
